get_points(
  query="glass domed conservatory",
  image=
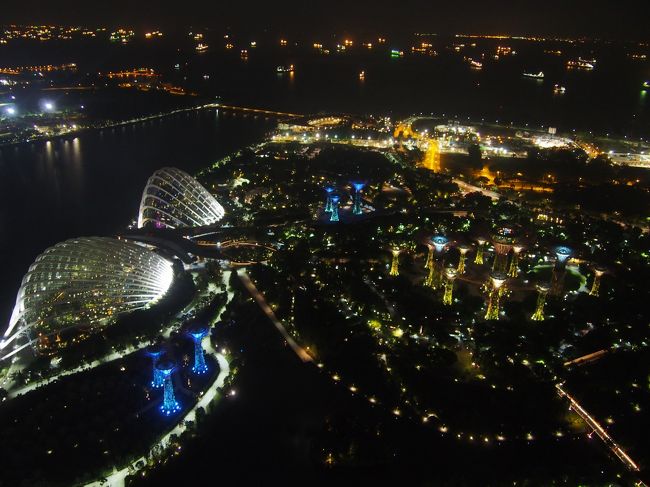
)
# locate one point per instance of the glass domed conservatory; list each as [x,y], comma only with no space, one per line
[84,282]
[174,199]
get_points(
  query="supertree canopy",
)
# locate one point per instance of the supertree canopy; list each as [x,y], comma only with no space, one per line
[562,253]
[155,351]
[503,239]
[440,243]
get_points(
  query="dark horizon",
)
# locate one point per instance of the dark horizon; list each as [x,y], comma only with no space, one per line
[597,19]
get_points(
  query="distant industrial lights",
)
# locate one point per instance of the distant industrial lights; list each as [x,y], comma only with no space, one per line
[48,106]
[10,111]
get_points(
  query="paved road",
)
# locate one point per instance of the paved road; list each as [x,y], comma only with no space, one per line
[166,332]
[82,368]
[470,188]
[117,478]
[261,301]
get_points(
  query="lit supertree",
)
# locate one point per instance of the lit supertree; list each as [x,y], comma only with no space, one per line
[394,265]
[595,287]
[559,270]
[155,351]
[463,249]
[334,217]
[328,204]
[197,333]
[513,270]
[440,243]
[496,290]
[450,277]
[356,208]
[542,292]
[502,240]
[429,262]
[170,405]
[478,259]
[430,280]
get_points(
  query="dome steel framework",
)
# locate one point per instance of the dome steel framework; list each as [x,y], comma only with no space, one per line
[174,199]
[85,282]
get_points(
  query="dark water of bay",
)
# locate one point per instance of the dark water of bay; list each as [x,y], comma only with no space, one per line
[91,184]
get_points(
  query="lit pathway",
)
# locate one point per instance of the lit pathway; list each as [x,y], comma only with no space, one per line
[470,188]
[131,349]
[261,301]
[600,431]
[82,368]
[116,479]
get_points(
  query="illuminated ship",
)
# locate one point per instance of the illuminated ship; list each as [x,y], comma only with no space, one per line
[201,47]
[539,75]
[559,90]
[285,69]
[580,64]
[362,75]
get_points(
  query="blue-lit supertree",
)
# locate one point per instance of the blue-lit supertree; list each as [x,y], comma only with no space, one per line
[197,333]
[155,351]
[170,405]
[328,205]
[334,217]
[356,208]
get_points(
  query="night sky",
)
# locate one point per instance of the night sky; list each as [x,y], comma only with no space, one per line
[622,19]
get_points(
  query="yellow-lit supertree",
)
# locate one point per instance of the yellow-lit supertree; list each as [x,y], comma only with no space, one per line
[394,265]
[429,261]
[496,290]
[595,287]
[479,250]
[434,279]
[513,270]
[503,239]
[450,277]
[463,249]
[430,280]
[542,292]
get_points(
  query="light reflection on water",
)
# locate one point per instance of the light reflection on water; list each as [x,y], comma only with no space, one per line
[91,183]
